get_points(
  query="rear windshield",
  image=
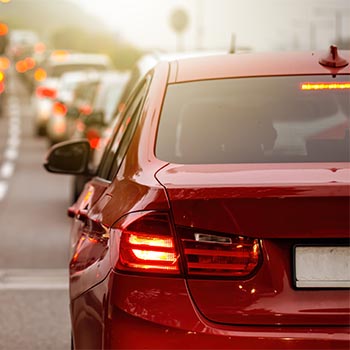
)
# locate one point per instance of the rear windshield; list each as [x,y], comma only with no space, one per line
[256,120]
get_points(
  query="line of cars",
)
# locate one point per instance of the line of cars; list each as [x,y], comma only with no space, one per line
[218,216]
[77,98]
[53,69]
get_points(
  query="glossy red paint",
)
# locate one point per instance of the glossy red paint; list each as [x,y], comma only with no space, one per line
[259,64]
[277,204]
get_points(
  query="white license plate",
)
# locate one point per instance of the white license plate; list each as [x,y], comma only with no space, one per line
[322,267]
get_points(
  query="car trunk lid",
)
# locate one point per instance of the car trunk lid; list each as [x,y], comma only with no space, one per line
[280,206]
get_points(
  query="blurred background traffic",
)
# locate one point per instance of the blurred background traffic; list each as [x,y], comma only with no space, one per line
[76,56]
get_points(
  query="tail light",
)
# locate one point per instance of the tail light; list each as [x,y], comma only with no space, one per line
[59,108]
[209,254]
[147,244]
[4,63]
[43,91]
[85,109]
[2,87]
[40,74]
[94,138]
[30,62]
[21,66]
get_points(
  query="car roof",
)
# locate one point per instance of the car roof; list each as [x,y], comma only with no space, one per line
[251,65]
[80,58]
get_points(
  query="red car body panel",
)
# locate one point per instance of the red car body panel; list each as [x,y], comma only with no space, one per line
[314,202]
[114,309]
[279,206]
[259,64]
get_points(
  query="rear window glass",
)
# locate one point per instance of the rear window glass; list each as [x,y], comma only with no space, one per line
[256,120]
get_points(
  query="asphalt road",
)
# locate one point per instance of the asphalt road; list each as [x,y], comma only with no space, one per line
[34,235]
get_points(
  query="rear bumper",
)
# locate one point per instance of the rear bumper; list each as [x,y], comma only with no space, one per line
[153,313]
[130,332]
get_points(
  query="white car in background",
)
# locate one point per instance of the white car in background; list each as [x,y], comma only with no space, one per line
[58,63]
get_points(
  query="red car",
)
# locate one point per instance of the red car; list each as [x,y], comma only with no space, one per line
[219,215]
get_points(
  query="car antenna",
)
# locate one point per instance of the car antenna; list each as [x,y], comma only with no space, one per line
[333,59]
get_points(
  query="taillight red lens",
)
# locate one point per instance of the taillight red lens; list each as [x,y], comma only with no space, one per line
[59,108]
[147,245]
[85,109]
[209,254]
[93,136]
[43,91]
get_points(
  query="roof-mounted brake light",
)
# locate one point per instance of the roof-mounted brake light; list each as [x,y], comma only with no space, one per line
[325,86]
[333,59]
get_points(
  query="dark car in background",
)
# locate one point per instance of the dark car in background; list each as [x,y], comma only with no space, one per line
[218,217]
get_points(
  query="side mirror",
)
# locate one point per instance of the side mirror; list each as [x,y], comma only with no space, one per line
[70,157]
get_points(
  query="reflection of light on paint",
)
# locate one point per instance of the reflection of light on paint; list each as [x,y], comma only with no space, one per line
[325,86]
[253,291]
[87,196]
[77,250]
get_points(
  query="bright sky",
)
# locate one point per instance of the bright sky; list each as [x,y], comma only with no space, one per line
[261,24]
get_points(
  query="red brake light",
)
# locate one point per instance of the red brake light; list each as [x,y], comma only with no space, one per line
[325,86]
[43,91]
[210,254]
[85,109]
[21,66]
[3,29]
[94,138]
[40,74]
[30,63]
[147,244]
[4,63]
[39,47]
[59,108]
